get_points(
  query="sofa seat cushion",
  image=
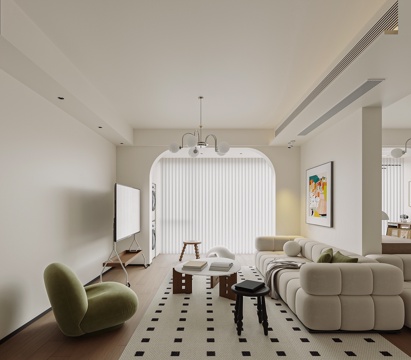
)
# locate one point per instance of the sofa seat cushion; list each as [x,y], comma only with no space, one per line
[406,297]
[263,258]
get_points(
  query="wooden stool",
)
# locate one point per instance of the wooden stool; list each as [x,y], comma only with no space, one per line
[261,310]
[195,243]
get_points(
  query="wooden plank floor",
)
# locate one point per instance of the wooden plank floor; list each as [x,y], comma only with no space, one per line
[43,340]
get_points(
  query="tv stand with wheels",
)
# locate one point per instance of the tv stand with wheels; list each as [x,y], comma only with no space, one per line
[123,258]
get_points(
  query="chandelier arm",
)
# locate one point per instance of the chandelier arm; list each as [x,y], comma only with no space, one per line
[182,138]
[215,141]
[406,145]
[200,136]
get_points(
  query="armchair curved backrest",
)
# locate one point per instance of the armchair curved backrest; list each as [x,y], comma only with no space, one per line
[67,297]
[81,310]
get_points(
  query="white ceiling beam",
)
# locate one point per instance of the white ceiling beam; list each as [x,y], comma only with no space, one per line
[30,57]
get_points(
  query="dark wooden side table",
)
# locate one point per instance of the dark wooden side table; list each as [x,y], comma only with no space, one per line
[261,310]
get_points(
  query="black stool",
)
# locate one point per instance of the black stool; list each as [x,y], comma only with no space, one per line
[261,310]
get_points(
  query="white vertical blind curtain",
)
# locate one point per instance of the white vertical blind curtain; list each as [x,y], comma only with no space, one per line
[219,201]
[392,189]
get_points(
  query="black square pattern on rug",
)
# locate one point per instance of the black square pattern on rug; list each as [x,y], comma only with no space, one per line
[350,353]
[216,311]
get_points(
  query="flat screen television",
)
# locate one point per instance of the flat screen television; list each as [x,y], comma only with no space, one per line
[126,212]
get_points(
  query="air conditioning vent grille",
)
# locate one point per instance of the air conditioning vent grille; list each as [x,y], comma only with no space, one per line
[389,21]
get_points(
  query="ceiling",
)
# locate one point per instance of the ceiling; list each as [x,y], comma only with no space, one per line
[253,61]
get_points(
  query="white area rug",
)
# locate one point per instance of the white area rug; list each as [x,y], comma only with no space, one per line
[201,326]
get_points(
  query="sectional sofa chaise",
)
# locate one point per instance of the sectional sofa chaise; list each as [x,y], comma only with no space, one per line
[360,296]
[403,262]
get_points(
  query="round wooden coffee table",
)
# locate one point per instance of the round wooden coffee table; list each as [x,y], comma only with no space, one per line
[182,279]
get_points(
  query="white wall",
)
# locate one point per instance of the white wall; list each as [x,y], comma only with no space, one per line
[134,165]
[57,180]
[346,143]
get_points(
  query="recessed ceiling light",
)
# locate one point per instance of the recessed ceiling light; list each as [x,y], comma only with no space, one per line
[60,97]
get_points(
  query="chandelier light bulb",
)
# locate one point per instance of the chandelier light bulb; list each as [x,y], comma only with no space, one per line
[191,140]
[397,153]
[174,147]
[223,148]
[193,152]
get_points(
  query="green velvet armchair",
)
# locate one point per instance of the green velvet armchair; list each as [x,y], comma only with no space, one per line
[82,309]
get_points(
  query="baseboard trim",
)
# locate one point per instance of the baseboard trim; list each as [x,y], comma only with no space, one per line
[15,332]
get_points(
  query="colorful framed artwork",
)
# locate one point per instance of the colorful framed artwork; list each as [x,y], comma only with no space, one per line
[319,199]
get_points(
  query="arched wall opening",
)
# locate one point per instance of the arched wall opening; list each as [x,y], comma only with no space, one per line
[226,201]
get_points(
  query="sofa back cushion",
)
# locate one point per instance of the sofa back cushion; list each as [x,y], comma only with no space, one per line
[312,250]
[401,261]
[350,279]
[272,243]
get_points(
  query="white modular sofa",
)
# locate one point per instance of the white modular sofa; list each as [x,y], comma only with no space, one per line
[403,262]
[359,296]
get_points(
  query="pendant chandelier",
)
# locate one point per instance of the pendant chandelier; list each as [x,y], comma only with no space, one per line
[397,153]
[195,141]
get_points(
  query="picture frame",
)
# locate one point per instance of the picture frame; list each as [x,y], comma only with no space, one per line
[319,195]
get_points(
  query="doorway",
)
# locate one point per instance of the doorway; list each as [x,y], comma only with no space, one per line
[220,201]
